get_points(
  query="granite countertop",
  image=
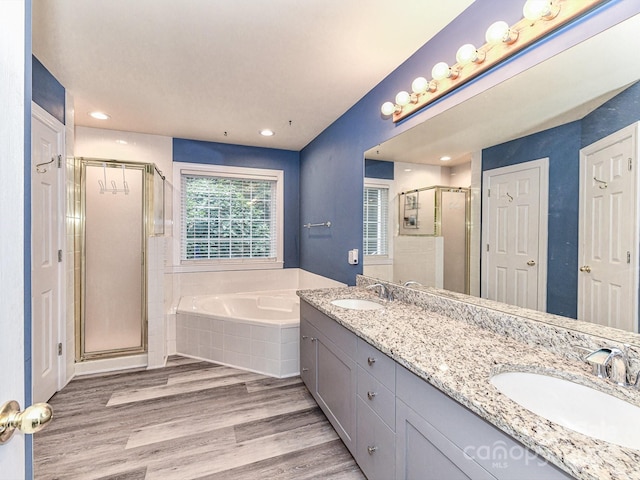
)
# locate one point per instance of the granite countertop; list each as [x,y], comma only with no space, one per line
[459,358]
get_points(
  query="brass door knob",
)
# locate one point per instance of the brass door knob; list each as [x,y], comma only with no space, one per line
[531,263]
[585,268]
[31,420]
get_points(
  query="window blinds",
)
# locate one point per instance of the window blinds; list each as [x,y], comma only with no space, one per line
[227,218]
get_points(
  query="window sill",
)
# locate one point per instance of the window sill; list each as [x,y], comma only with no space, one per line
[375,260]
[224,267]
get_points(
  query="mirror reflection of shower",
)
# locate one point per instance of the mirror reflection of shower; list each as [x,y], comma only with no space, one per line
[116,217]
[432,246]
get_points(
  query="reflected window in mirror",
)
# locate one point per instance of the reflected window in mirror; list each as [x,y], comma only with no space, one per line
[376,220]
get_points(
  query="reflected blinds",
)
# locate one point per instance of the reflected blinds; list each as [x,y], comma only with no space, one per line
[376,217]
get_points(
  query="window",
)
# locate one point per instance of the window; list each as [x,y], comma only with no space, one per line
[230,215]
[376,220]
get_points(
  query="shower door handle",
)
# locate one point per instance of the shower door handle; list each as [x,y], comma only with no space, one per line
[31,420]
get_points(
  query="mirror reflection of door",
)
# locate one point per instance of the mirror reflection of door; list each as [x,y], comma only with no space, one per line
[515,234]
[608,246]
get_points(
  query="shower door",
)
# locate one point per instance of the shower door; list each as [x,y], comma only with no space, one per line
[113,305]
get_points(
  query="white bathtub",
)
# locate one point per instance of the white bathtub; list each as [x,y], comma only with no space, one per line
[257,331]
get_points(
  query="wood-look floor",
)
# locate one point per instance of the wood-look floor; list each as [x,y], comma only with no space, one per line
[190,420]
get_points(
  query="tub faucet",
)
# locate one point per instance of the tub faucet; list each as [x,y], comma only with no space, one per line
[383,292]
[613,365]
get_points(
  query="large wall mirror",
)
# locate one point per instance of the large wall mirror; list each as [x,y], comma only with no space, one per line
[548,113]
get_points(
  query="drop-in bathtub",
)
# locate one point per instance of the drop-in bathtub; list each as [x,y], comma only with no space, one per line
[256,331]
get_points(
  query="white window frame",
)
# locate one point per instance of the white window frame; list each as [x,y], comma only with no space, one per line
[210,265]
[391,221]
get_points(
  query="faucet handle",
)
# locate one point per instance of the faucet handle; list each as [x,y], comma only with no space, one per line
[599,360]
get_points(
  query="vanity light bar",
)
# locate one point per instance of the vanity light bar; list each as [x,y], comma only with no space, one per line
[502,42]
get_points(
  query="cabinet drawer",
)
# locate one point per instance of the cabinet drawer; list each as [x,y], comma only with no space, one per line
[375,451]
[332,330]
[376,363]
[378,397]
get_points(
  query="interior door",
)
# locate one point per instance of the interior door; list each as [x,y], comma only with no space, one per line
[515,234]
[46,153]
[15,454]
[608,244]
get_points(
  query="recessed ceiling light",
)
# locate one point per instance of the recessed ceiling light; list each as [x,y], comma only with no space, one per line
[100,115]
[445,158]
[267,132]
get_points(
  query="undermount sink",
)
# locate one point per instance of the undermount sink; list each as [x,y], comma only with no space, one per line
[357,304]
[574,406]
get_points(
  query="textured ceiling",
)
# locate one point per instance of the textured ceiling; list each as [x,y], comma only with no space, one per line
[200,68]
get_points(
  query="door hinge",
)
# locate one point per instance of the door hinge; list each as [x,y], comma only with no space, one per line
[630,164]
[59,161]
[60,349]
[628,257]
[59,256]
[487,247]
[488,192]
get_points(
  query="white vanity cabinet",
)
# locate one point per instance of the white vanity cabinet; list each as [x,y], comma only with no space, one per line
[331,377]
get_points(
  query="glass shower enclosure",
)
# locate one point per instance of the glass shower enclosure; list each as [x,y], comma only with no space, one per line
[441,211]
[120,206]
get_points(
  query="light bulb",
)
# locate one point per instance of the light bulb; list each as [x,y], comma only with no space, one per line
[403,98]
[499,32]
[388,108]
[536,9]
[441,71]
[420,85]
[469,54]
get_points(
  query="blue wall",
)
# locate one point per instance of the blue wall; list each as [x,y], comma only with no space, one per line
[332,166]
[562,145]
[47,91]
[378,169]
[241,156]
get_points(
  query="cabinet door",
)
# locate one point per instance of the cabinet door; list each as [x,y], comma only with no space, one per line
[308,339]
[423,453]
[336,389]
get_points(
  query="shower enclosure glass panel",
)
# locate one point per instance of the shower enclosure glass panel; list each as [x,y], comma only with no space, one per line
[113,306]
[441,211]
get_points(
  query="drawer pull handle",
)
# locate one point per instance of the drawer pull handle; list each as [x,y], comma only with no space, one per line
[314,339]
[372,450]
[304,337]
[371,395]
[371,361]
[305,369]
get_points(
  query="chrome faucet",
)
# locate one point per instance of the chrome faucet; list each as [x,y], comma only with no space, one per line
[412,282]
[613,364]
[383,292]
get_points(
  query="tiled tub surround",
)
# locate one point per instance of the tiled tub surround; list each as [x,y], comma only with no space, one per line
[457,347]
[257,331]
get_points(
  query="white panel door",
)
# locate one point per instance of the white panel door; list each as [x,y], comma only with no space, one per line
[514,234]
[46,148]
[608,260]
[14,454]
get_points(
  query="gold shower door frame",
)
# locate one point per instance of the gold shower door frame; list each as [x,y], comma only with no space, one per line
[147,171]
[436,215]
